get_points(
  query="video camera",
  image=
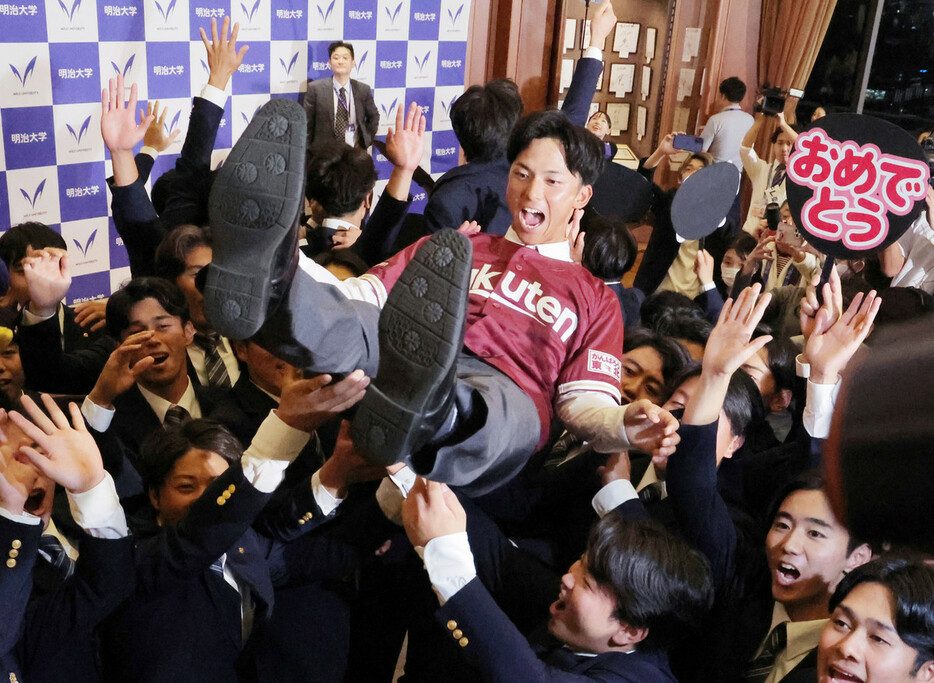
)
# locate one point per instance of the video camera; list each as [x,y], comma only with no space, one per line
[773,101]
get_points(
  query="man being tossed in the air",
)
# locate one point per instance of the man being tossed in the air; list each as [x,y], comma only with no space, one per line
[481,341]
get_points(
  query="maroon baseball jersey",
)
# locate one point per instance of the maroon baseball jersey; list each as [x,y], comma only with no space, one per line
[549,325]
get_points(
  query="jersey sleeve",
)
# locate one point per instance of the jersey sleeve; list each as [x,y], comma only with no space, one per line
[595,364]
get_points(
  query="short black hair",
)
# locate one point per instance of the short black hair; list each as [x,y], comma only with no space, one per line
[742,403]
[782,353]
[584,154]
[657,581]
[164,447]
[733,89]
[674,356]
[743,244]
[339,177]
[691,369]
[683,323]
[14,242]
[609,248]
[166,293]
[811,480]
[347,258]
[775,133]
[340,43]
[175,247]
[664,300]
[911,584]
[483,116]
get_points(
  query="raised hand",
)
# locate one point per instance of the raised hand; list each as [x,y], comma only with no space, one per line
[122,369]
[830,348]
[223,56]
[703,267]
[118,119]
[728,346]
[651,429]
[91,314]
[156,136]
[48,278]
[69,453]
[811,318]
[405,143]
[431,510]
[306,404]
[604,21]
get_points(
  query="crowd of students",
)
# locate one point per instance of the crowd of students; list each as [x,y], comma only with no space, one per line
[314,433]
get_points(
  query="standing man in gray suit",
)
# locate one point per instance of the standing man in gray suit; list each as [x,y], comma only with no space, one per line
[340,107]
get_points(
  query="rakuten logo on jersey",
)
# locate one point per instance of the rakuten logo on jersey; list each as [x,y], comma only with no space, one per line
[524,297]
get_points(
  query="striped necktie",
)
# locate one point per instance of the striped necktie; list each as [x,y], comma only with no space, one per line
[214,365]
[758,670]
[58,558]
[174,416]
[343,115]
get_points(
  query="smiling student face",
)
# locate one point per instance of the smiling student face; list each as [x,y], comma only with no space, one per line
[191,474]
[542,193]
[167,346]
[807,554]
[860,644]
[582,616]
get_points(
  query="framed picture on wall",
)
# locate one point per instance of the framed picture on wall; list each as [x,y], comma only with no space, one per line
[651,35]
[619,116]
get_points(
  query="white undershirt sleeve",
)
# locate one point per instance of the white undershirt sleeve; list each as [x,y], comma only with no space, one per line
[596,418]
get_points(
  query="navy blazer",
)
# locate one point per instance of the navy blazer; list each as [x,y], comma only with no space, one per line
[496,648]
[51,368]
[319,109]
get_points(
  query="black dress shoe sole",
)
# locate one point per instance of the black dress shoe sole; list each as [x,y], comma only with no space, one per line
[254,205]
[421,334]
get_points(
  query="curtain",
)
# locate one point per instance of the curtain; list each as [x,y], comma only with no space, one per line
[790,36]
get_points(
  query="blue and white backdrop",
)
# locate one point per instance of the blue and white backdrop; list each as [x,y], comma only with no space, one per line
[56,55]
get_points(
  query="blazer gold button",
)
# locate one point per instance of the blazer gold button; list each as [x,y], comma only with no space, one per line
[452,625]
[225,495]
[457,634]
[14,553]
[231,488]
[240,550]
[221,500]
[11,563]
[301,521]
[17,543]
[463,642]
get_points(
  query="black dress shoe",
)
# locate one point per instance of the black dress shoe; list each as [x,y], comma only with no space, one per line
[421,334]
[254,208]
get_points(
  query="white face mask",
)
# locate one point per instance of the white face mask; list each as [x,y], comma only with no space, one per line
[728,275]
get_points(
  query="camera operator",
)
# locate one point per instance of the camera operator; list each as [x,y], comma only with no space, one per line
[768,179]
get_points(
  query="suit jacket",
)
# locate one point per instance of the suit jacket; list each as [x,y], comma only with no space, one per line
[734,543]
[183,621]
[21,541]
[319,108]
[496,648]
[51,368]
[59,634]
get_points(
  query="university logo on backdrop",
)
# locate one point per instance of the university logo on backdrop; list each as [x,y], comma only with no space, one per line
[24,79]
